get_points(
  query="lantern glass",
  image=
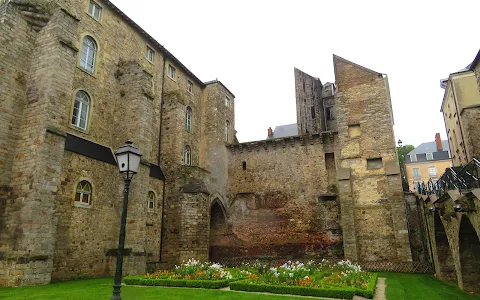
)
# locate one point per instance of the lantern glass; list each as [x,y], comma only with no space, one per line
[128,158]
[400,143]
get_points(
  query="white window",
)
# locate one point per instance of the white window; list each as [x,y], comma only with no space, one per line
[429,156]
[416,173]
[449,154]
[188,119]
[150,54]
[190,86]
[80,110]
[187,156]
[83,194]
[413,157]
[171,72]
[95,10]
[227,101]
[89,52]
[432,171]
[151,201]
[227,131]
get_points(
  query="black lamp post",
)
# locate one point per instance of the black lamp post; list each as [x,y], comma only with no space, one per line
[128,160]
[403,167]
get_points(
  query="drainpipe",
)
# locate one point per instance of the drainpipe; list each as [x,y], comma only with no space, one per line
[158,159]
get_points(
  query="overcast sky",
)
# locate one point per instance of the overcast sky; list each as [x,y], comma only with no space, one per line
[253,46]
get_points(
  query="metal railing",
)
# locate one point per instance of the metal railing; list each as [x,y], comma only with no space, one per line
[465,179]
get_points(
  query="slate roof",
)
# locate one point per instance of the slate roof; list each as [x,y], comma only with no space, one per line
[429,147]
[284,131]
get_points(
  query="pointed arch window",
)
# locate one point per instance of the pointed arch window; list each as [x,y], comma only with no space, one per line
[88,55]
[151,201]
[227,131]
[187,156]
[83,194]
[81,109]
[188,119]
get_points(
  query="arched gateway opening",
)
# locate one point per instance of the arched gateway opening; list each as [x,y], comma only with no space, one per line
[218,229]
[469,256]
[444,254]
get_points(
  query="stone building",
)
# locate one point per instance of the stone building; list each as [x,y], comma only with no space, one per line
[451,205]
[69,94]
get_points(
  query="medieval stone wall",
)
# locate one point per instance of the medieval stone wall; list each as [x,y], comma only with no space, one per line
[373,213]
[310,110]
[280,201]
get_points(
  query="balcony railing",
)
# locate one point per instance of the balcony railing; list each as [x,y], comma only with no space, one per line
[465,179]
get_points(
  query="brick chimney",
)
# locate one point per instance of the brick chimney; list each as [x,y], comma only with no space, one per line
[438,141]
[270,132]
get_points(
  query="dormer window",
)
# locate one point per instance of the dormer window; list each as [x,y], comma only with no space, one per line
[429,156]
[413,157]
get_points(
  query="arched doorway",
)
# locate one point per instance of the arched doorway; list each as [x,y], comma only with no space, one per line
[469,245]
[218,229]
[445,262]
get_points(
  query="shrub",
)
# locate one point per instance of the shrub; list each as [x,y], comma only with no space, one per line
[206,284]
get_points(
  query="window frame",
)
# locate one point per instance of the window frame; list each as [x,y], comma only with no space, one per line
[187,156]
[330,113]
[151,200]
[76,123]
[96,7]
[227,131]
[83,63]
[150,50]
[427,154]
[188,119]
[415,176]
[413,156]
[432,175]
[227,102]
[172,68]
[190,87]
[81,192]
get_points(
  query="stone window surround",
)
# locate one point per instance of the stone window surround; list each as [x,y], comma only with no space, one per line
[90,107]
[188,119]
[95,7]
[227,101]
[227,131]
[92,188]
[187,156]
[190,87]
[98,50]
[416,173]
[151,197]
[150,57]
[432,171]
[171,72]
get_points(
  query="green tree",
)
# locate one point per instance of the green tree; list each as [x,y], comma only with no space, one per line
[401,152]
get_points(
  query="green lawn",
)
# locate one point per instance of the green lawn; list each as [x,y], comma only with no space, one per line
[399,287]
[102,289]
[402,286]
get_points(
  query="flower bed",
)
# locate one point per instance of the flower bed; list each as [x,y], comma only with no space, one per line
[342,280]
[190,274]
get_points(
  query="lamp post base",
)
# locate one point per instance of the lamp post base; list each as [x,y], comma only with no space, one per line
[116,292]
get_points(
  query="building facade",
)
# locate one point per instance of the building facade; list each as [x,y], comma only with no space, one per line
[69,95]
[451,205]
[427,161]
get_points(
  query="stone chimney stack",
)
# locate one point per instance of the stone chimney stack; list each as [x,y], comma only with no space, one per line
[438,141]
[270,132]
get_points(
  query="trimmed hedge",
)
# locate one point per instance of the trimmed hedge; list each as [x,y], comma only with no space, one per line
[329,292]
[206,284]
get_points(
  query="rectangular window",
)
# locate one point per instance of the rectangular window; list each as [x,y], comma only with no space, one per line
[94,10]
[330,113]
[413,157]
[416,173]
[150,54]
[190,86]
[429,156]
[171,72]
[312,110]
[227,101]
[432,171]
